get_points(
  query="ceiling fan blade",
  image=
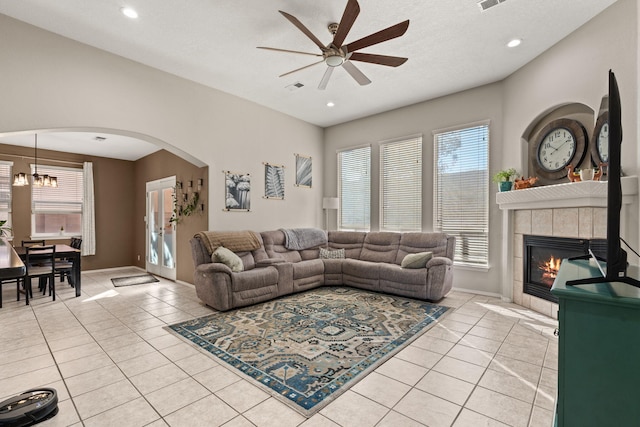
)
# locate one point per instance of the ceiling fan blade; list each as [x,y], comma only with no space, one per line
[301,68]
[289,51]
[304,29]
[349,16]
[379,37]
[325,78]
[391,61]
[356,73]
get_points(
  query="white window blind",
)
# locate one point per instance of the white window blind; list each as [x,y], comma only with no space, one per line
[5,186]
[354,189]
[461,191]
[401,185]
[66,198]
[5,191]
[57,210]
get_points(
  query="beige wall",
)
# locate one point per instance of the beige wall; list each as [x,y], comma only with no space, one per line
[163,164]
[483,103]
[120,203]
[50,82]
[82,87]
[572,71]
[114,202]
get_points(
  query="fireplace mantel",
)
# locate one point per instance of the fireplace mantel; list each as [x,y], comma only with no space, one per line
[575,210]
[568,195]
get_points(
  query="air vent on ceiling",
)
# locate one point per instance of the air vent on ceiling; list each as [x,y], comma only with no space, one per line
[100,138]
[486,4]
[295,86]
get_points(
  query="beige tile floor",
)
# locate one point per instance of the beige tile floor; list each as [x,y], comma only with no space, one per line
[488,363]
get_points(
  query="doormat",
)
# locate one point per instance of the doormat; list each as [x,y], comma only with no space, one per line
[133,280]
[306,349]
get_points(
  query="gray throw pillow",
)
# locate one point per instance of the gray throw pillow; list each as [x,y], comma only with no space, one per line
[329,254]
[417,260]
[228,258]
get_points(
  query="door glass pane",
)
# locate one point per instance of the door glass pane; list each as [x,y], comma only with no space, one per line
[167,235]
[154,227]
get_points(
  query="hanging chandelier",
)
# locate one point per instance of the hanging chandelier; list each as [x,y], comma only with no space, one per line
[20,179]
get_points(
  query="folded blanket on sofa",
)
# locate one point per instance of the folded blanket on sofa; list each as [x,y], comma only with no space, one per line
[303,238]
[236,241]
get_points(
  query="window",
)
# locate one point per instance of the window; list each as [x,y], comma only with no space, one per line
[5,192]
[461,191]
[401,185]
[57,211]
[354,189]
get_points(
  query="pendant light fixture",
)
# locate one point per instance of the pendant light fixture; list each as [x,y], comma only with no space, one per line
[20,179]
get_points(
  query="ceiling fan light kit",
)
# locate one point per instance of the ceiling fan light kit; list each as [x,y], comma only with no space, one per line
[337,54]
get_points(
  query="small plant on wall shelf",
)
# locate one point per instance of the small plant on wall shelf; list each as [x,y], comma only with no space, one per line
[185,205]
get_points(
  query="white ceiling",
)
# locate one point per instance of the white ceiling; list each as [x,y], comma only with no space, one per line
[451,45]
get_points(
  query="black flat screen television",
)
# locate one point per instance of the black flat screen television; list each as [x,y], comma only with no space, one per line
[616,257]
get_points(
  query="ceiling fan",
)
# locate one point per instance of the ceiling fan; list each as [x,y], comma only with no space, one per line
[337,54]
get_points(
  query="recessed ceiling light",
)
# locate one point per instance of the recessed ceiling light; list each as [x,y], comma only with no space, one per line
[514,43]
[129,12]
[330,104]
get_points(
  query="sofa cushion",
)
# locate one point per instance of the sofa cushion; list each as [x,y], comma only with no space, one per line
[274,246]
[417,260]
[409,282]
[331,254]
[380,247]
[255,279]
[308,268]
[350,241]
[411,243]
[228,258]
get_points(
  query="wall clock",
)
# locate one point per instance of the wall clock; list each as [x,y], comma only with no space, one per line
[561,143]
[600,140]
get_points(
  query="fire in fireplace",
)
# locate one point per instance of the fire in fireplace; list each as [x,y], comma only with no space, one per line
[542,258]
[550,269]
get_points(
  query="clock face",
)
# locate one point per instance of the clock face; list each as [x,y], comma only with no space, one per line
[559,144]
[603,142]
[557,149]
[600,144]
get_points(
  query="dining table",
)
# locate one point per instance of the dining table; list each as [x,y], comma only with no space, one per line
[62,252]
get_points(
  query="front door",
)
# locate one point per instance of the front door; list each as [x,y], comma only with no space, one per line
[161,236]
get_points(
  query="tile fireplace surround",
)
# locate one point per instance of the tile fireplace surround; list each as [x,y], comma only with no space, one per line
[563,210]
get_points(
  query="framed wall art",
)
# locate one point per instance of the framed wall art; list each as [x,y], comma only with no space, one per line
[303,171]
[237,191]
[273,181]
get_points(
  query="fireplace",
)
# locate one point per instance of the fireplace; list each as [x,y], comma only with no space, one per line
[542,258]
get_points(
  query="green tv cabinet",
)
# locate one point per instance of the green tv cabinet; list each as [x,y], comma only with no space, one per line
[599,349]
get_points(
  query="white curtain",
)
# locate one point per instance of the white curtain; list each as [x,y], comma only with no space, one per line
[88,213]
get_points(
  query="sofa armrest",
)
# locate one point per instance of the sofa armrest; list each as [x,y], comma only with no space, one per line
[214,267]
[269,261]
[439,260]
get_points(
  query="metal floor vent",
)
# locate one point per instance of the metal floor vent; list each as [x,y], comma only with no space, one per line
[486,4]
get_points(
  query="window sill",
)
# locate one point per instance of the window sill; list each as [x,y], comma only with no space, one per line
[470,267]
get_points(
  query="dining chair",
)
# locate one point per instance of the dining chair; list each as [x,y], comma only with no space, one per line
[64,267]
[19,283]
[40,263]
[27,243]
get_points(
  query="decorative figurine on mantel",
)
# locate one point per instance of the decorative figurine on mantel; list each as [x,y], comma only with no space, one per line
[573,176]
[523,182]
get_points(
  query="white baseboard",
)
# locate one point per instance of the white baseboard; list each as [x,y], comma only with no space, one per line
[474,291]
[100,270]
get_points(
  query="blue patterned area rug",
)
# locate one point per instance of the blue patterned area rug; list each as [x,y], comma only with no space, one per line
[308,348]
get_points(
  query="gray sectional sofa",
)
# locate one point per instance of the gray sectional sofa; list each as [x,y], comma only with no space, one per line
[372,261]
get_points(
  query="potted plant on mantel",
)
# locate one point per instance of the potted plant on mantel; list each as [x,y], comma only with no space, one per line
[503,178]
